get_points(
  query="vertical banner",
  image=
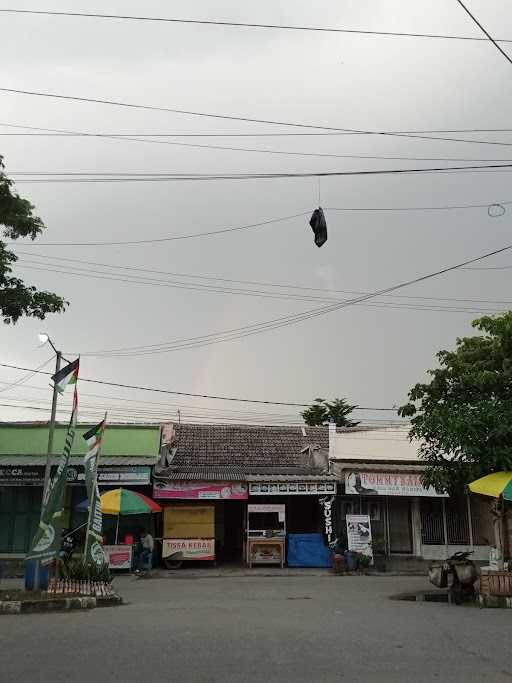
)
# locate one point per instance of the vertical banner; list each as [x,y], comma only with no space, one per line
[359,534]
[93,552]
[327,502]
[47,541]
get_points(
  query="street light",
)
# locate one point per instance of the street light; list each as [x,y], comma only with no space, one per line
[45,339]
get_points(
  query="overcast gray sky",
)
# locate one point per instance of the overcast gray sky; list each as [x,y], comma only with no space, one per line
[369,354]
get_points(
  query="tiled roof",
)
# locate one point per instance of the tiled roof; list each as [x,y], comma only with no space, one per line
[249,447]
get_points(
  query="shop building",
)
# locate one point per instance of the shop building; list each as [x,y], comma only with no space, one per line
[226,477]
[379,474]
[128,454]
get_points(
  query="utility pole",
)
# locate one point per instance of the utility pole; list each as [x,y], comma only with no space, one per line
[49,451]
[51,429]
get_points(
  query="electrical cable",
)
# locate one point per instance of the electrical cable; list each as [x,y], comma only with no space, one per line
[267,295]
[26,377]
[59,132]
[236,24]
[70,177]
[228,117]
[493,41]
[180,393]
[146,140]
[175,237]
[257,328]
[59,260]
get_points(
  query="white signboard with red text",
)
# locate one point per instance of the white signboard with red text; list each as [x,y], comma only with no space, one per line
[188,548]
[119,556]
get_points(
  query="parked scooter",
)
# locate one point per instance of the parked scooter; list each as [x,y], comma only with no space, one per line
[458,573]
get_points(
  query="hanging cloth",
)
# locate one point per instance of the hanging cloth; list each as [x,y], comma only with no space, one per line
[319,226]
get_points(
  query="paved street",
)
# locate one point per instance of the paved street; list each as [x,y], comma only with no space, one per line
[311,628]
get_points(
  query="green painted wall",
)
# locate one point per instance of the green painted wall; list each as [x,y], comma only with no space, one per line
[119,440]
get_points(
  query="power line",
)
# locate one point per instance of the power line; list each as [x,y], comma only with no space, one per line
[59,132]
[147,140]
[258,328]
[175,237]
[493,41]
[279,286]
[228,117]
[26,377]
[181,393]
[490,268]
[75,177]
[267,295]
[235,24]
[261,224]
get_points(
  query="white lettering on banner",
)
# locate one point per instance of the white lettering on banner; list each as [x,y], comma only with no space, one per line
[387,484]
[327,507]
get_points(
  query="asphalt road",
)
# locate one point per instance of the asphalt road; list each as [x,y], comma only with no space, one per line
[308,628]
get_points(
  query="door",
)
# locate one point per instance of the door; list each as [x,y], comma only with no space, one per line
[399,525]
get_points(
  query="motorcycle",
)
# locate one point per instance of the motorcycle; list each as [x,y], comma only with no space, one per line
[457,573]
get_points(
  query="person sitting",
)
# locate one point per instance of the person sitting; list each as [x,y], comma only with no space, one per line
[147,546]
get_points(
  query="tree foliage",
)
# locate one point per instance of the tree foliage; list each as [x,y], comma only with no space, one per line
[322,412]
[463,416]
[17,220]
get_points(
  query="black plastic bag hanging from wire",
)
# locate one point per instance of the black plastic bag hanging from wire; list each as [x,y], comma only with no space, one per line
[319,226]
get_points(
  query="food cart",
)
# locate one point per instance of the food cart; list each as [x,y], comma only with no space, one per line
[266,534]
[189,533]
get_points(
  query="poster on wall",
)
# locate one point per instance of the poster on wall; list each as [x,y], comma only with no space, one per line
[359,534]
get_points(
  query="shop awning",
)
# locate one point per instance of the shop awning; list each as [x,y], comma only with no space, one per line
[203,473]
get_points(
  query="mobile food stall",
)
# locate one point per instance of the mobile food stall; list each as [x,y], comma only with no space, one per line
[266,534]
[189,533]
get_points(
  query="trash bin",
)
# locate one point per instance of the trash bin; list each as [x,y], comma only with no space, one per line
[30,576]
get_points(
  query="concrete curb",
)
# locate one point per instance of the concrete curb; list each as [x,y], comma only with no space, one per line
[57,604]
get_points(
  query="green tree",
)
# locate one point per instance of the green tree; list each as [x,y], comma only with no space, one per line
[463,416]
[17,220]
[322,412]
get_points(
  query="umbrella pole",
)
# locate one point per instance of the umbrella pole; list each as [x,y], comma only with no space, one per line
[117,529]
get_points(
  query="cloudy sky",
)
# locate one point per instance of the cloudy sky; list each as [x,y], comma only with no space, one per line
[370,353]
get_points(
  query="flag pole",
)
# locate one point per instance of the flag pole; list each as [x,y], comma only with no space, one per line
[93,489]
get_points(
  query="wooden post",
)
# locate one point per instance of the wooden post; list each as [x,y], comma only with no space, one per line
[470,521]
[445,527]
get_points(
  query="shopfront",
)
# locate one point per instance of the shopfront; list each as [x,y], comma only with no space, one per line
[21,491]
[288,510]
[202,520]
[410,520]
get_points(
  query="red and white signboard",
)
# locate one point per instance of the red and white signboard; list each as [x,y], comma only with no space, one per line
[188,548]
[387,484]
[119,556]
[200,490]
